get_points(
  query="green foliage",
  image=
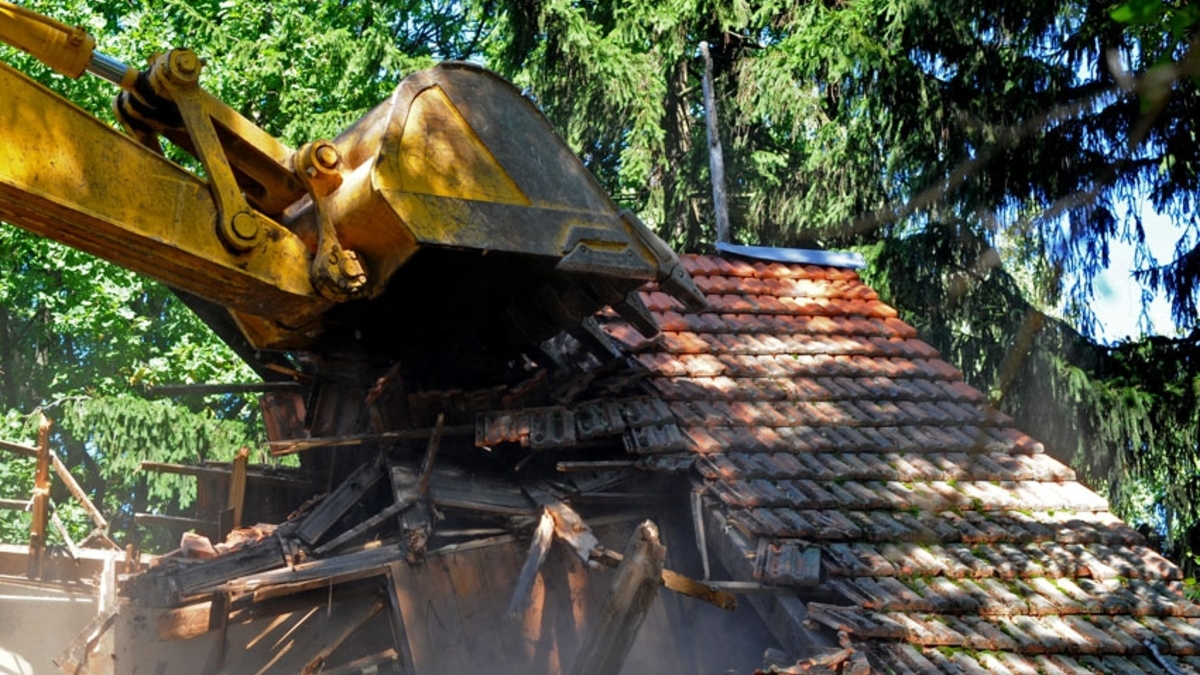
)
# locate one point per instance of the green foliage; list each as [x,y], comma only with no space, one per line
[81,337]
[1125,417]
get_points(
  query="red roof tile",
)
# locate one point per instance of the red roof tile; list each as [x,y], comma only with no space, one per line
[824,429]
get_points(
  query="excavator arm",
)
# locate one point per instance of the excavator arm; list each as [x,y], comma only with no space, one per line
[453,194]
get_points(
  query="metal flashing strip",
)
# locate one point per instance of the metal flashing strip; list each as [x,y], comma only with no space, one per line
[795,255]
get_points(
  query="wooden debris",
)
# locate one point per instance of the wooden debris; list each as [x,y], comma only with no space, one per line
[166,390]
[281,448]
[218,472]
[188,622]
[678,583]
[431,451]
[75,658]
[609,465]
[41,501]
[276,583]
[415,523]
[72,549]
[542,536]
[572,530]
[366,664]
[237,485]
[332,508]
[317,663]
[362,528]
[697,504]
[198,579]
[454,489]
[608,643]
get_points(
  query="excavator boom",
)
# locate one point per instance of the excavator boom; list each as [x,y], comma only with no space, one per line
[454,193]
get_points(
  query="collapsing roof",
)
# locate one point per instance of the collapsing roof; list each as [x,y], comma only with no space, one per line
[839,454]
[898,523]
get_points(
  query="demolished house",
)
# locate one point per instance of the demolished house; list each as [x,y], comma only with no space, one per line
[826,496]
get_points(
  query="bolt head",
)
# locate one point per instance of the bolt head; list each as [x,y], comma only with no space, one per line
[245,226]
[185,62]
[327,156]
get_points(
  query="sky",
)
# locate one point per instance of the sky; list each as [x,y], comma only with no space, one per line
[1118,297]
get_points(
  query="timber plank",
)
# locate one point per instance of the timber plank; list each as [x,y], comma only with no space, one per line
[431,618]
[466,569]
[503,565]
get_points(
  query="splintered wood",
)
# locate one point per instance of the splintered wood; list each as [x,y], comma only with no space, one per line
[635,587]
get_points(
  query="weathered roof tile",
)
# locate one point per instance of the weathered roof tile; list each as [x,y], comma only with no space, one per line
[821,423]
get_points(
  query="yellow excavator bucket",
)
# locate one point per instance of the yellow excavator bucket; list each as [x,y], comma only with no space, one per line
[477,223]
[449,223]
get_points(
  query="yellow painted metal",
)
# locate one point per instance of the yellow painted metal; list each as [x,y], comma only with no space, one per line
[67,176]
[441,155]
[457,162]
[64,48]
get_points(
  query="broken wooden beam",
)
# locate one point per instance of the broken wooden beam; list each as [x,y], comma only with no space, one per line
[232,388]
[362,528]
[367,664]
[605,465]
[280,448]
[237,485]
[72,549]
[543,535]
[273,583]
[331,509]
[206,577]
[41,500]
[216,472]
[572,530]
[612,634]
[678,583]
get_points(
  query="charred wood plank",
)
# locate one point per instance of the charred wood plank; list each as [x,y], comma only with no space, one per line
[362,528]
[452,488]
[207,576]
[608,643]
[604,465]
[280,448]
[332,508]
[218,472]
[416,523]
[315,574]
[402,652]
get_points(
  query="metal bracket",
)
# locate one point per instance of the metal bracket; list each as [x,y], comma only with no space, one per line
[337,274]
[238,226]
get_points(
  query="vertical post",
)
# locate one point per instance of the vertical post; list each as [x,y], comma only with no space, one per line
[41,501]
[634,589]
[237,485]
[716,159]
